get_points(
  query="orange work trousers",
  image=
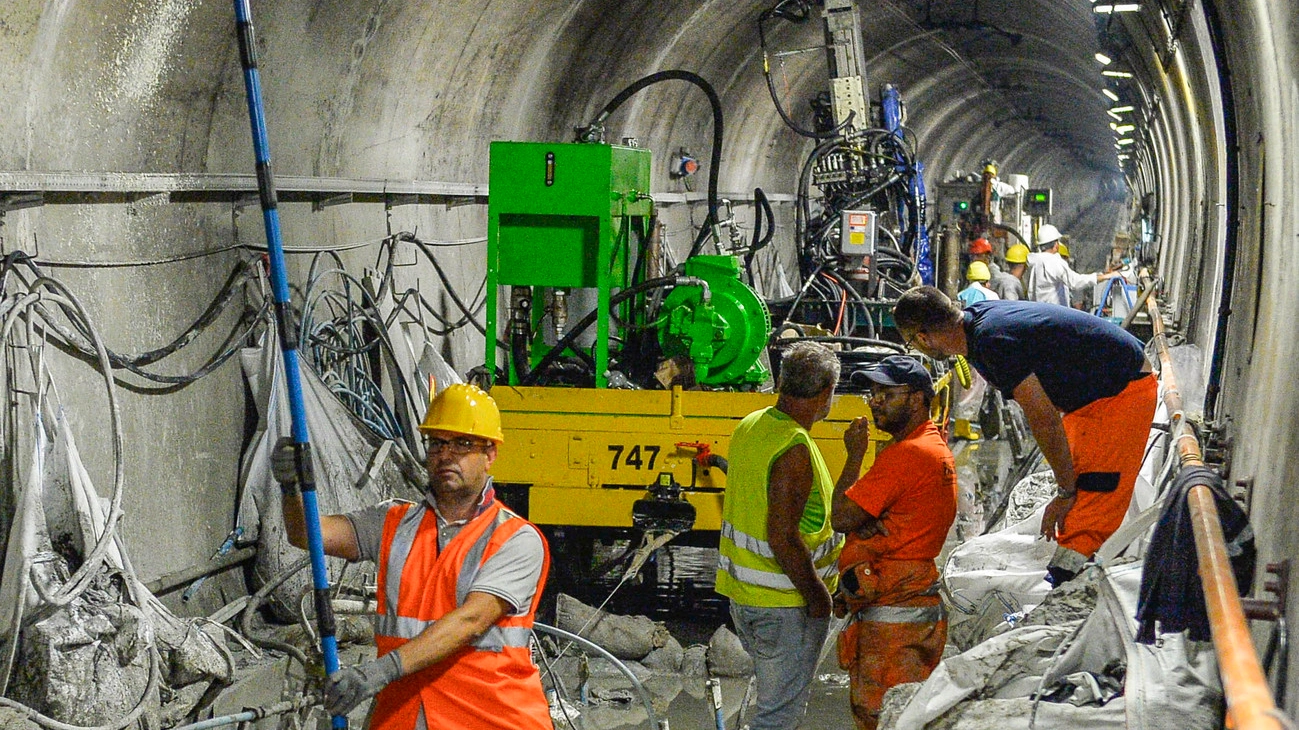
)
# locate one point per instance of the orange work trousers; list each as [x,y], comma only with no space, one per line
[1107,439]
[889,654]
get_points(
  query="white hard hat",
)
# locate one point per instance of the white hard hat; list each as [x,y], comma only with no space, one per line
[1047,234]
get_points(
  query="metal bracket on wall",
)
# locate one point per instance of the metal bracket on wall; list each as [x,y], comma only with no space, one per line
[1276,658]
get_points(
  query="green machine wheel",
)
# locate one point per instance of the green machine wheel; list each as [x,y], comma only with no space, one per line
[722,333]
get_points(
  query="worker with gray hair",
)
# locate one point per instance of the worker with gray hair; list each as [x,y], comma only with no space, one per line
[778,548]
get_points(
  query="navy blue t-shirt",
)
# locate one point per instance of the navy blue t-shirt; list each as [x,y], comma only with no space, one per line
[1079,358]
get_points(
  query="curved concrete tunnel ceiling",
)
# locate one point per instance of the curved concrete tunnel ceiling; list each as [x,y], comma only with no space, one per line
[417,90]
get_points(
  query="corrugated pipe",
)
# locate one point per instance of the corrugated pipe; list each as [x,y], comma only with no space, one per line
[1249,700]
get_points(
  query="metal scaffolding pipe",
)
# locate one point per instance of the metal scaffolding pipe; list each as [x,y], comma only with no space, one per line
[1250,705]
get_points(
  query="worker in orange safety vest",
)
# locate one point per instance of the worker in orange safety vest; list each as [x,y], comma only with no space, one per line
[460,578]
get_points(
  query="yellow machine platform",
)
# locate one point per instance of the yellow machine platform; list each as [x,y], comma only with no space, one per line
[587,455]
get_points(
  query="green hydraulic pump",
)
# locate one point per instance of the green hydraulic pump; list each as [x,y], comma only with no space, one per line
[721,328]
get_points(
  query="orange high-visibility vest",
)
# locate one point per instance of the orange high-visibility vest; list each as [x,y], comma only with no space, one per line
[491,683]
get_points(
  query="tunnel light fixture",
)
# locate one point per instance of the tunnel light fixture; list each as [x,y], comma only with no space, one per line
[1123,128]
[1104,59]
[1117,74]
[1120,109]
[1118,8]
[1125,157]
[1112,114]
[1125,141]
[1112,96]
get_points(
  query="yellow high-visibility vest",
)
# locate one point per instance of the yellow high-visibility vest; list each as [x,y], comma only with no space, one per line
[747,571]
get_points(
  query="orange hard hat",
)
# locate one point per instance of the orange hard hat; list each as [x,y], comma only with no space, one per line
[980,245]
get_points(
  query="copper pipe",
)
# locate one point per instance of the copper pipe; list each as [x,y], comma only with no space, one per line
[1250,705]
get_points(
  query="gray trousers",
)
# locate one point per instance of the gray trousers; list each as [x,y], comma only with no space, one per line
[785,644]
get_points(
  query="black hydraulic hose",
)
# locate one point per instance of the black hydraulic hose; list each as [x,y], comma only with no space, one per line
[715,159]
[761,209]
[567,340]
[1010,230]
[771,83]
[865,310]
[856,341]
[801,293]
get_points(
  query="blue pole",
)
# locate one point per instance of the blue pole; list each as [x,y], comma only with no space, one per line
[288,341]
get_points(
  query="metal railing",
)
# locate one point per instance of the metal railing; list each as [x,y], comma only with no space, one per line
[1249,699]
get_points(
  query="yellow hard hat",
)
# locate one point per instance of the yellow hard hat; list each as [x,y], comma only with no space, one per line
[1017,254]
[1063,250]
[464,408]
[978,271]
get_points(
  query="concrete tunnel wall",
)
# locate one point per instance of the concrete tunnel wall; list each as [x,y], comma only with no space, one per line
[408,90]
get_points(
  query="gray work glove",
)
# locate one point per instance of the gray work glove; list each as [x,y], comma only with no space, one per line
[349,687]
[283,467]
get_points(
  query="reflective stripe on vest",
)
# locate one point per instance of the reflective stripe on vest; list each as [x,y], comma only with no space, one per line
[902,614]
[494,639]
[779,581]
[748,572]
[763,548]
[391,623]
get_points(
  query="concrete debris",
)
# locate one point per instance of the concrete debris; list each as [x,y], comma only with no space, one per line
[895,701]
[11,719]
[1068,603]
[726,655]
[1026,497]
[626,637]
[694,662]
[86,665]
[663,690]
[667,658]
[602,668]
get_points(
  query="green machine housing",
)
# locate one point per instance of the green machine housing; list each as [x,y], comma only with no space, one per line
[560,216]
[564,216]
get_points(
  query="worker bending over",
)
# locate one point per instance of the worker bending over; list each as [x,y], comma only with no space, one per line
[460,578]
[778,548]
[1050,278]
[1053,361]
[896,517]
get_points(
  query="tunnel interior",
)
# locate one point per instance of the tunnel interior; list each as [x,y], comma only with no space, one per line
[117,110]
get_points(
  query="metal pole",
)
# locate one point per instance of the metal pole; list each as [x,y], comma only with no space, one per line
[1249,701]
[288,340]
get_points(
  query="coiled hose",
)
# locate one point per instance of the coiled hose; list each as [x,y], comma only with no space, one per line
[715,158]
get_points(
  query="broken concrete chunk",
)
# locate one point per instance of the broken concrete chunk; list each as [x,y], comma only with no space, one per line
[726,655]
[626,637]
[667,658]
[694,661]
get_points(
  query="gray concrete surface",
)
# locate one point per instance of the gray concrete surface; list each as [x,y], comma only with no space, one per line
[417,90]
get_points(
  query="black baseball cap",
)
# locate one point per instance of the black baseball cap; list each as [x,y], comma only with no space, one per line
[902,370]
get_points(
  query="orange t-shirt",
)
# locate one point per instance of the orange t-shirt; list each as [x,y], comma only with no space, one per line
[912,488]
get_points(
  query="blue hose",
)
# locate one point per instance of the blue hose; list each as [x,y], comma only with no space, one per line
[288,341]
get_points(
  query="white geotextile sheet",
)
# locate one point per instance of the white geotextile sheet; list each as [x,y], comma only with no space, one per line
[1171,684]
[353,467]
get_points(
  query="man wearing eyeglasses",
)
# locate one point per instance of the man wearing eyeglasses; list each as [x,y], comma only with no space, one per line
[896,517]
[1087,392]
[460,578]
